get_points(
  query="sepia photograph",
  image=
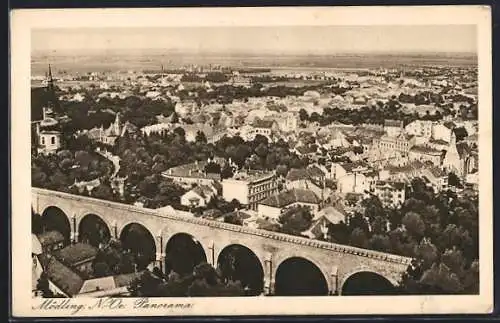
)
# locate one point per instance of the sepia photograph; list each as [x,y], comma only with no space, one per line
[251,161]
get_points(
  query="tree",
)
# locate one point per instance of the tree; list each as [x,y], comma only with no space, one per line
[282,170]
[359,238]
[233,218]
[212,168]
[226,172]
[414,224]
[296,220]
[440,279]
[453,180]
[380,242]
[200,137]
[303,115]
[103,191]
[101,269]
[460,133]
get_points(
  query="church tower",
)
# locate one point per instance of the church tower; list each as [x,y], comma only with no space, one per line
[117,125]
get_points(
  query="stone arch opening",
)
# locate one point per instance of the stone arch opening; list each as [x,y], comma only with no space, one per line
[367,283]
[298,276]
[141,243]
[93,230]
[239,263]
[54,219]
[182,253]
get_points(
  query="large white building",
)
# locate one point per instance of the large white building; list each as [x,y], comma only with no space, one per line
[353,177]
[249,187]
[420,128]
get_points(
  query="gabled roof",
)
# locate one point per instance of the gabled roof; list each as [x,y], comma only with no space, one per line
[263,123]
[203,191]
[63,277]
[304,173]
[425,150]
[331,214]
[73,254]
[292,196]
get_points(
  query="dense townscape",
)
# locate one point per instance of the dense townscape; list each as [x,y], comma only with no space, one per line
[384,159]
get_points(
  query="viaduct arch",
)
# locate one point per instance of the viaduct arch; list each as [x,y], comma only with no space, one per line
[338,264]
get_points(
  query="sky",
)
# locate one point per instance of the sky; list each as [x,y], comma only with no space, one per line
[275,39]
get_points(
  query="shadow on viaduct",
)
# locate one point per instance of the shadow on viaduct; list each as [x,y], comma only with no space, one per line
[337,263]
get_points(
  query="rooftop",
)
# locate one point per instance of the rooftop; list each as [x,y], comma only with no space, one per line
[393,123]
[289,197]
[331,214]
[304,173]
[193,170]
[73,254]
[390,185]
[426,150]
[63,277]
[251,176]
[263,123]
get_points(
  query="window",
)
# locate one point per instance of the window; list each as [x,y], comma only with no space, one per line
[53,140]
[43,140]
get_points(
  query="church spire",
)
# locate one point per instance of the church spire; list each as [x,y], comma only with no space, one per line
[50,80]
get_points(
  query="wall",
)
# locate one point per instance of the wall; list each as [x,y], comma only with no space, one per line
[336,262]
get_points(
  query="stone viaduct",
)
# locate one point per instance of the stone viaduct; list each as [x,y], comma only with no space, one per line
[336,262]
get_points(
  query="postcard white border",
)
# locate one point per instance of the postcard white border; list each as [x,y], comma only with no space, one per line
[23,21]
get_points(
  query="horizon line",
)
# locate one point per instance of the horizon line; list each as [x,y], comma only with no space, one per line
[230,52]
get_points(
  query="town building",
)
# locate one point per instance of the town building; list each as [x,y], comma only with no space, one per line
[443,131]
[287,122]
[435,178]
[109,135]
[391,194]
[194,173]
[426,153]
[353,177]
[49,141]
[273,206]
[63,281]
[395,145]
[249,187]
[79,257]
[323,219]
[393,128]
[311,178]
[199,196]
[459,158]
[420,128]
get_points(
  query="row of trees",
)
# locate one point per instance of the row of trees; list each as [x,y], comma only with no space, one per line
[61,170]
[204,281]
[440,231]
